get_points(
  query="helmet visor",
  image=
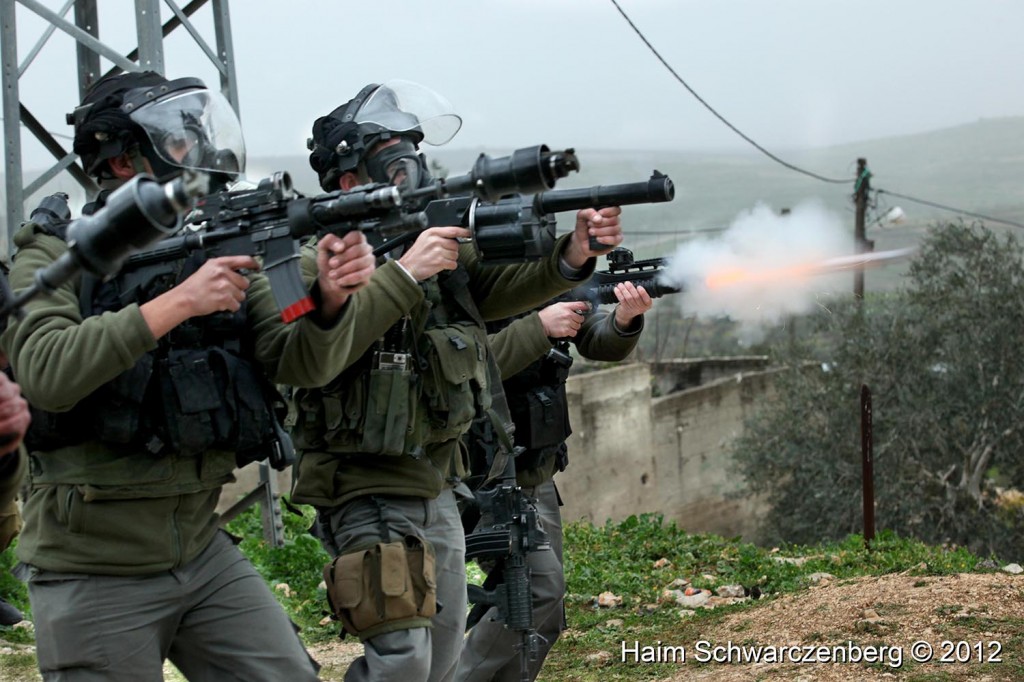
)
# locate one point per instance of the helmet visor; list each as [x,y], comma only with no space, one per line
[194,129]
[402,106]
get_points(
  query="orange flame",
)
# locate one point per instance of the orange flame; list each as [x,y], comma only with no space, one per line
[736,275]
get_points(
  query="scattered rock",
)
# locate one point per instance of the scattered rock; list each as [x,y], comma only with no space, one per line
[708,578]
[1013,569]
[820,576]
[989,564]
[686,613]
[671,595]
[608,600]
[734,591]
[677,584]
[695,600]
[663,563]
[614,623]
[284,589]
[326,620]
[601,657]
[25,625]
[322,585]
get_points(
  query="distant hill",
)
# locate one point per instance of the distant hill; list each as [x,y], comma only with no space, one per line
[977,167]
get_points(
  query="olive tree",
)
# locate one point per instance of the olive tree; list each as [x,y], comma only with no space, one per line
[943,359]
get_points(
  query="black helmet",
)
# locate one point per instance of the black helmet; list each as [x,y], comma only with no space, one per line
[175,124]
[397,108]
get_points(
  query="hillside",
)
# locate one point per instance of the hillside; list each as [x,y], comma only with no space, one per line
[976,166]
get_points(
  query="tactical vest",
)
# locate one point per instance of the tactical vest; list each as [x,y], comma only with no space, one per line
[197,395]
[422,383]
[540,410]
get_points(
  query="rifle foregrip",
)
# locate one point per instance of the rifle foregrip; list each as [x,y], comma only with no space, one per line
[605,293]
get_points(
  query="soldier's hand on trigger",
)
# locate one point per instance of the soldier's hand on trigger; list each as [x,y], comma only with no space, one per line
[217,286]
[344,266]
[14,416]
[436,249]
[603,225]
[633,302]
[563,320]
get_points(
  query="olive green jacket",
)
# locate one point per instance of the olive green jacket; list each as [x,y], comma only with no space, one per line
[524,342]
[332,472]
[599,338]
[96,510]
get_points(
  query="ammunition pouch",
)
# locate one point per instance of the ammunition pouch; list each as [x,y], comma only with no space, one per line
[383,588]
[541,415]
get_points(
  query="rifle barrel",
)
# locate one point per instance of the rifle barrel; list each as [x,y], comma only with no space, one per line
[657,189]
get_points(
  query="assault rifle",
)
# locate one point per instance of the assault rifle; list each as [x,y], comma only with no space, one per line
[267,222]
[521,228]
[135,215]
[600,288]
[510,532]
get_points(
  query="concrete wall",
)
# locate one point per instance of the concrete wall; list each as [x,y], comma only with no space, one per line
[631,453]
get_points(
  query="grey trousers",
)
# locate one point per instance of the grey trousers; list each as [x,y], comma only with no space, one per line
[214,618]
[416,654]
[491,650]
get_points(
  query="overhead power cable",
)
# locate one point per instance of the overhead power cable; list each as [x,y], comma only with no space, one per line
[721,118]
[953,209]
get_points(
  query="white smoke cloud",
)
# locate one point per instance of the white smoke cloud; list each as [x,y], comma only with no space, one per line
[763,244]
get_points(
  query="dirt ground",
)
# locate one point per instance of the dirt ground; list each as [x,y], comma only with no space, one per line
[985,611]
[889,611]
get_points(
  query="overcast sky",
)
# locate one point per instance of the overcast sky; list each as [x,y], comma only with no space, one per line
[789,73]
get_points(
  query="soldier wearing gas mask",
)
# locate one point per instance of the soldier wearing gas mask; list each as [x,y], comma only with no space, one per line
[533,354]
[379,446]
[144,401]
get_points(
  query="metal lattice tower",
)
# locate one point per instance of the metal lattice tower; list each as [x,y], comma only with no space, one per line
[84,28]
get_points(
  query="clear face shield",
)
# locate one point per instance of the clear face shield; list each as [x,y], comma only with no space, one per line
[194,129]
[405,107]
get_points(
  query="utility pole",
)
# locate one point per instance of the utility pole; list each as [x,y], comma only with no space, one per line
[861,243]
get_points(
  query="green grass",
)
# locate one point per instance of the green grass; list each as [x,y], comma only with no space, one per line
[616,557]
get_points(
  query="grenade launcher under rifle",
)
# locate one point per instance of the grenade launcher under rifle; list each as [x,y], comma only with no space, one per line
[600,288]
[456,200]
[267,222]
[522,228]
[135,215]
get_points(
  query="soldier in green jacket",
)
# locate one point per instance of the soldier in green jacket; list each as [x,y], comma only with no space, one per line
[14,421]
[380,453]
[142,401]
[533,354]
